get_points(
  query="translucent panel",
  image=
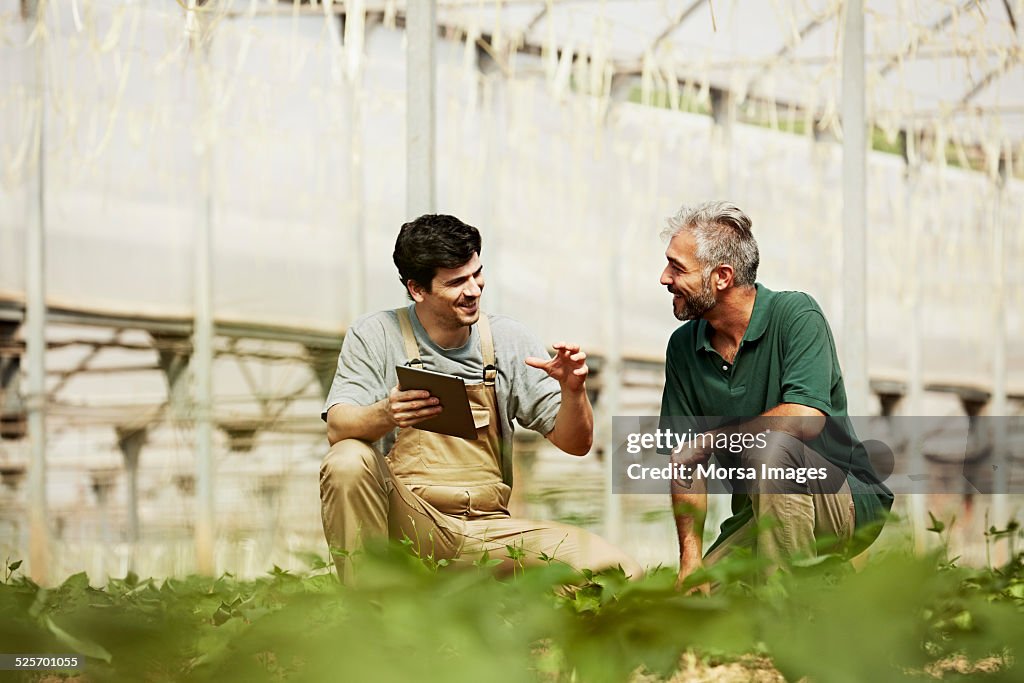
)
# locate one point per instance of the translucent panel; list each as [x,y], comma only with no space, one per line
[290,159]
[622,30]
[510,20]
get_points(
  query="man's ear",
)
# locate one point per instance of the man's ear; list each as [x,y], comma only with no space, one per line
[726,275]
[416,291]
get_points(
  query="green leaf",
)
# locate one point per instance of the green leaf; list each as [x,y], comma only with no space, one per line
[937,525]
[964,621]
[485,561]
[515,553]
[223,613]
[312,560]
[82,647]
[816,560]
[13,566]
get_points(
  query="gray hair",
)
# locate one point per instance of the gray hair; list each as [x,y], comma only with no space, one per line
[723,236]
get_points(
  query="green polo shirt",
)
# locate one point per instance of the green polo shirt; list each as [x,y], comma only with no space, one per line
[787,355]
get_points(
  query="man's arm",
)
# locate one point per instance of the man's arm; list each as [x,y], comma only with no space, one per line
[574,424]
[369,423]
[690,505]
[689,498]
[797,420]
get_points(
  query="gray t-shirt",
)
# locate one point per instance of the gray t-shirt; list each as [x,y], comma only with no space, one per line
[373,347]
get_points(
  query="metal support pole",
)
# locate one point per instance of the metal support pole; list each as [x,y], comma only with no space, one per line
[915,378]
[173,353]
[352,101]
[357,227]
[495,120]
[202,333]
[723,113]
[35,312]
[611,380]
[202,370]
[997,408]
[855,338]
[130,441]
[421,107]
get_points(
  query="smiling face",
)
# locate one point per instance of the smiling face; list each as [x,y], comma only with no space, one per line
[693,294]
[453,301]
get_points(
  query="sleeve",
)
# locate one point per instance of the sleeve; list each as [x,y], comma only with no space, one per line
[807,362]
[673,398]
[359,379]
[536,397]
[674,402]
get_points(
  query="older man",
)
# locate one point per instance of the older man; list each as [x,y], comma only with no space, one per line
[768,359]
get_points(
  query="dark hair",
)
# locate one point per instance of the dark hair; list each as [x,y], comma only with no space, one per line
[430,242]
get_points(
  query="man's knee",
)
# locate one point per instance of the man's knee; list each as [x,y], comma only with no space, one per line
[349,462]
[779,450]
[611,557]
[633,569]
[586,550]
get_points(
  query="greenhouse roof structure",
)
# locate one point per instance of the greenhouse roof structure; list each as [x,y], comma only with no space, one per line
[950,64]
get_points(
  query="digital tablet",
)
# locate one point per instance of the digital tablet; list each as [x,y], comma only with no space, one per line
[456,418]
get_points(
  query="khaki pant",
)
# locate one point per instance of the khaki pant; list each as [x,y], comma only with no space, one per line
[792,520]
[362,499]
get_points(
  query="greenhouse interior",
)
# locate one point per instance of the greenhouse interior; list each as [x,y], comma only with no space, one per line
[199,197]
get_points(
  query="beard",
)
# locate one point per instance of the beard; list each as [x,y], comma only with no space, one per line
[458,316]
[693,307]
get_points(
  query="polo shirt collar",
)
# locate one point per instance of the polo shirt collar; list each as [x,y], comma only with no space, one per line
[755,328]
[759,316]
[702,338]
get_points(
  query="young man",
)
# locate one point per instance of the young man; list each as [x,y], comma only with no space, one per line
[769,359]
[448,495]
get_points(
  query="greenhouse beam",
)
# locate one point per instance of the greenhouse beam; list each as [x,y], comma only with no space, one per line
[611,380]
[723,113]
[854,328]
[997,407]
[35,317]
[130,441]
[915,318]
[203,331]
[420,112]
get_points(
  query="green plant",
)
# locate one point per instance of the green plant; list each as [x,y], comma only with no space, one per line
[416,618]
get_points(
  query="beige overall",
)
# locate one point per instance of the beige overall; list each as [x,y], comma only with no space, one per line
[444,493]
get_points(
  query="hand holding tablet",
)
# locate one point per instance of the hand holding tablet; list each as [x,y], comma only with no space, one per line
[456,417]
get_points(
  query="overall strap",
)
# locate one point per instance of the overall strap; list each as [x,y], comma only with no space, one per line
[412,351]
[487,350]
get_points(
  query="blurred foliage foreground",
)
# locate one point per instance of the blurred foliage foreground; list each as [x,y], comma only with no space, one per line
[413,619]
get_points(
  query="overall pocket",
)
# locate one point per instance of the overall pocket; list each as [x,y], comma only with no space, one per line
[466,501]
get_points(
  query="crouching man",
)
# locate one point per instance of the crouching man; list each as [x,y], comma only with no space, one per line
[447,495]
[767,359]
